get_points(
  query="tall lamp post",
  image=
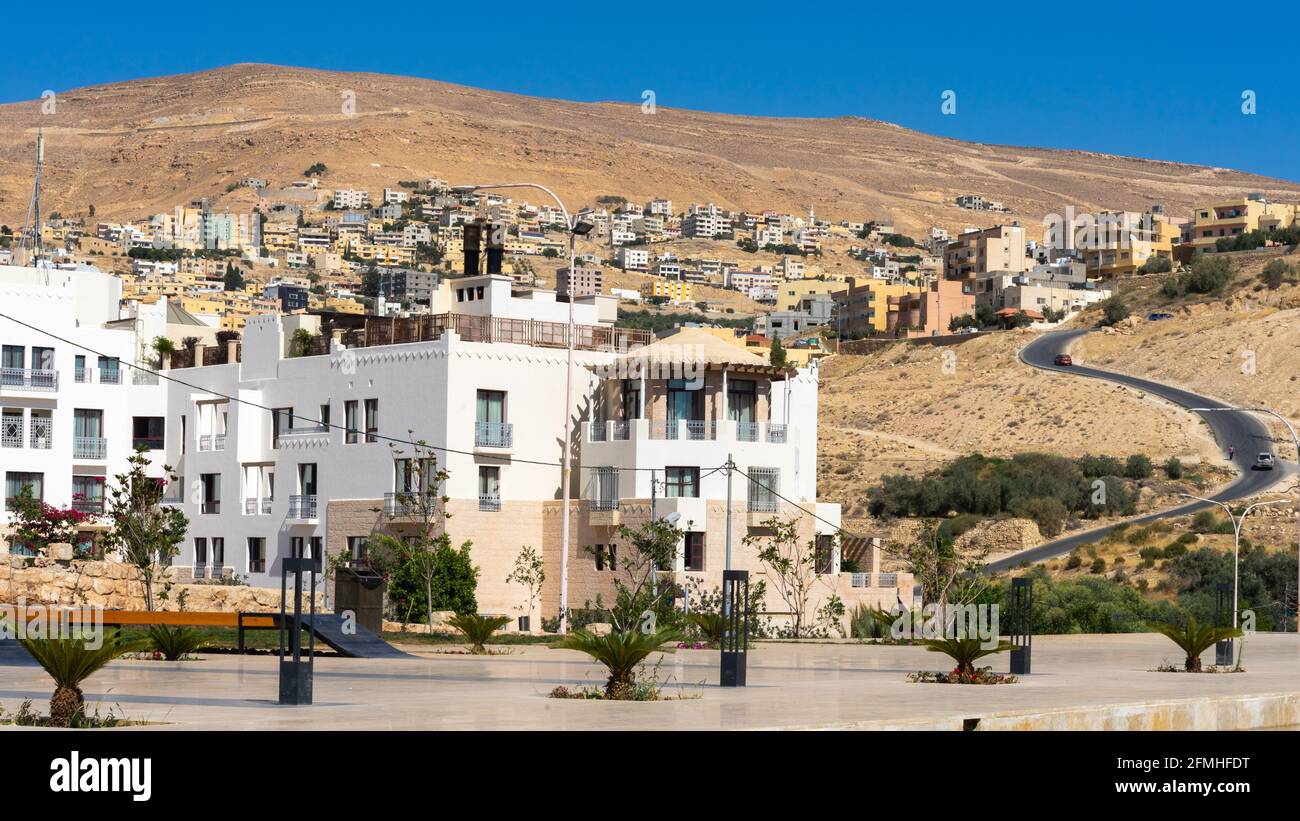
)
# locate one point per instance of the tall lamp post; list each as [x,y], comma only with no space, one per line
[575,229]
[1237,522]
[1295,439]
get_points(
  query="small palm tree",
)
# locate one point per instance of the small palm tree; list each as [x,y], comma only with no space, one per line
[1194,639]
[69,662]
[175,643]
[477,629]
[965,651]
[712,627]
[620,651]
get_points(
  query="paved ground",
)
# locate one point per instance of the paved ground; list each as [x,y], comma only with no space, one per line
[1244,431]
[807,685]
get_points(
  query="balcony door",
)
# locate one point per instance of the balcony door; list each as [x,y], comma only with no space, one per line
[742,401]
[685,400]
[88,424]
[13,360]
[307,478]
[491,407]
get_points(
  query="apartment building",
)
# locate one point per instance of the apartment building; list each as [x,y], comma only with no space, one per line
[862,305]
[1060,286]
[70,418]
[583,281]
[1229,218]
[674,290]
[1000,248]
[348,199]
[632,259]
[708,223]
[928,312]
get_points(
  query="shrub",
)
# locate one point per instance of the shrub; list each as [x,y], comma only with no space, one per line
[1073,562]
[1174,468]
[1048,513]
[1275,273]
[69,662]
[1188,538]
[1138,467]
[1157,265]
[175,643]
[1208,275]
[965,651]
[1114,310]
[1204,521]
[1142,585]
[1098,565]
[620,652]
[477,629]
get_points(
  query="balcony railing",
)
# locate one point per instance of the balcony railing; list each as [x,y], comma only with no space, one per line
[89,447]
[41,437]
[32,380]
[398,330]
[494,435]
[490,502]
[747,431]
[406,504]
[211,506]
[257,507]
[662,429]
[107,377]
[696,430]
[604,504]
[776,433]
[93,506]
[141,376]
[619,431]
[302,507]
[306,430]
[212,441]
[880,580]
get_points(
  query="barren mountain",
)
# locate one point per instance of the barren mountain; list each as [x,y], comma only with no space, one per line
[138,147]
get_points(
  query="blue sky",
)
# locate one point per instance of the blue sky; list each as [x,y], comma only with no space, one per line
[1165,83]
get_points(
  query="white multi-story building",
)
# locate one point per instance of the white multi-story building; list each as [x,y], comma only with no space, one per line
[350,199]
[480,380]
[71,414]
[632,259]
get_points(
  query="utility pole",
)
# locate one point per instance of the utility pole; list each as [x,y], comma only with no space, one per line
[730,467]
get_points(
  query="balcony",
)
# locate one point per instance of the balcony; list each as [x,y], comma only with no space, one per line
[302,508]
[880,580]
[257,507]
[660,430]
[407,505]
[89,447]
[490,502]
[309,433]
[212,441]
[494,435]
[94,507]
[29,380]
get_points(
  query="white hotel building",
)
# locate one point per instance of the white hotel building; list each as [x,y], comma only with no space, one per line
[482,378]
[70,418]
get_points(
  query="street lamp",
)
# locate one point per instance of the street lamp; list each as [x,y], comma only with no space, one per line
[1237,522]
[1295,439]
[575,229]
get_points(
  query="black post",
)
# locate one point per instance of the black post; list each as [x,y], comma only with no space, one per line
[1021,625]
[735,633]
[295,671]
[1223,618]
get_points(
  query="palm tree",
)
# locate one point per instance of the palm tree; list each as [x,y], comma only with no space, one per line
[175,643]
[620,651]
[69,662]
[965,651]
[477,629]
[1194,639]
[712,627]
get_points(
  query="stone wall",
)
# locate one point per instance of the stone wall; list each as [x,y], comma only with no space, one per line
[116,586]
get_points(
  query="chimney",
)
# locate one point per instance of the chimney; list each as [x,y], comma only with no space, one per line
[472,233]
[496,246]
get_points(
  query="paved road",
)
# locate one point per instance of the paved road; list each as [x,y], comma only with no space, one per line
[1244,431]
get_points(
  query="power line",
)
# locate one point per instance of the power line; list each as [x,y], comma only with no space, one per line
[319,422]
[802,511]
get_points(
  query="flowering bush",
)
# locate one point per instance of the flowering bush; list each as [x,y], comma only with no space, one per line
[982,675]
[38,524]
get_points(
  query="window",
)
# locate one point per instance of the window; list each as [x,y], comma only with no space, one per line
[631,399]
[693,551]
[281,421]
[358,548]
[350,421]
[218,553]
[147,432]
[489,488]
[741,400]
[211,492]
[317,551]
[604,486]
[184,427]
[79,368]
[110,372]
[323,420]
[764,484]
[685,400]
[682,482]
[200,556]
[13,361]
[824,563]
[42,359]
[16,481]
[372,420]
[606,557]
[88,494]
[256,554]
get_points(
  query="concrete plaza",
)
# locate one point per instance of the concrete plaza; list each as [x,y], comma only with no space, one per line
[1087,682]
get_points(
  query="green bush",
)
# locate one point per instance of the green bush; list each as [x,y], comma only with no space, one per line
[1098,565]
[1138,467]
[1048,513]
[1174,468]
[1204,521]
[1157,265]
[454,583]
[1275,273]
[175,643]
[1208,275]
[1113,310]
[1073,562]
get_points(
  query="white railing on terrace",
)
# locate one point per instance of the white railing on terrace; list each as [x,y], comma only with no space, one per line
[880,580]
[35,380]
[89,447]
[212,441]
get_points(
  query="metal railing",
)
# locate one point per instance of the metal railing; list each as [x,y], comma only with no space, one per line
[258,507]
[95,506]
[302,507]
[405,504]
[620,431]
[42,433]
[696,430]
[489,502]
[35,380]
[604,504]
[662,429]
[885,580]
[747,431]
[401,330]
[494,434]
[110,377]
[763,486]
[776,433]
[598,432]
[213,441]
[89,447]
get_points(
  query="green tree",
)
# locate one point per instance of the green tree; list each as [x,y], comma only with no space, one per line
[529,573]
[234,280]
[373,283]
[1275,273]
[1138,467]
[777,355]
[792,567]
[1114,310]
[643,549]
[146,533]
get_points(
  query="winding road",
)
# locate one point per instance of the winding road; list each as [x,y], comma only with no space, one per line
[1244,431]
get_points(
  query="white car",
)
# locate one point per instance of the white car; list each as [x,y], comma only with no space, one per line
[1264,461]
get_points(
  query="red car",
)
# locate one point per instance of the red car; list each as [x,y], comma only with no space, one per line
[1063,359]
